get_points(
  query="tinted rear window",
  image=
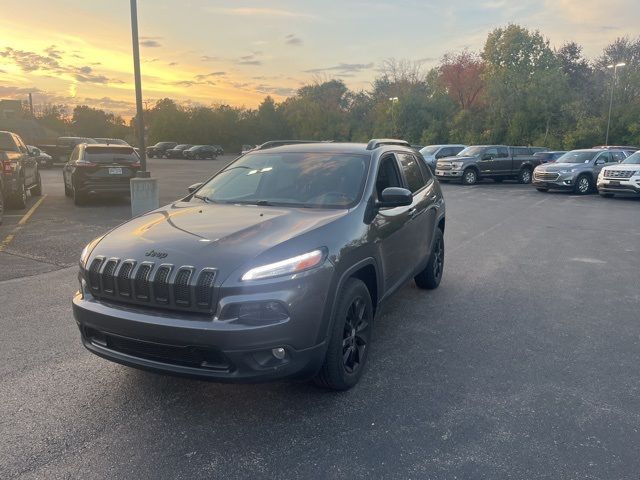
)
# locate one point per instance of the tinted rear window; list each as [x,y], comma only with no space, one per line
[111,154]
[6,143]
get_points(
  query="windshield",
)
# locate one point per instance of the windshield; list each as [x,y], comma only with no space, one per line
[633,159]
[577,156]
[471,151]
[429,150]
[316,180]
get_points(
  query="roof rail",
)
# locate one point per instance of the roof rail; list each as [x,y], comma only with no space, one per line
[378,142]
[280,143]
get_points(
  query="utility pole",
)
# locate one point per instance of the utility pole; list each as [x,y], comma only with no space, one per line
[613,82]
[31,104]
[144,189]
[393,101]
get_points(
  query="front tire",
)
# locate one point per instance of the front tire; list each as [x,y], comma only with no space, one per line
[583,185]
[349,338]
[469,177]
[430,277]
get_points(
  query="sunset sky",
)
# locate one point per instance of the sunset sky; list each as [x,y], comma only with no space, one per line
[237,52]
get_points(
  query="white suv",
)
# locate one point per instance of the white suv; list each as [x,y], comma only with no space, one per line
[621,179]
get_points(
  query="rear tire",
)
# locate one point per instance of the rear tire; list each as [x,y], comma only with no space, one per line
[583,185]
[469,177]
[349,339]
[79,198]
[19,199]
[37,190]
[431,276]
[524,176]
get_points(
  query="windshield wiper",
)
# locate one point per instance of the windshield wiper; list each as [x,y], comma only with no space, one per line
[203,198]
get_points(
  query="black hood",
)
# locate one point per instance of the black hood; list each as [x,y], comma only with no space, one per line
[209,235]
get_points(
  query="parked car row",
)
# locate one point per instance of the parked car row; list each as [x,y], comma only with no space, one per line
[19,175]
[610,171]
[184,150]
[498,162]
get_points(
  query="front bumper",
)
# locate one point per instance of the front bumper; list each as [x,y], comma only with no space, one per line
[564,181]
[205,346]
[448,174]
[630,186]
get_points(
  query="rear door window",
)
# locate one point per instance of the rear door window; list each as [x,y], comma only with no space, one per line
[411,170]
[503,152]
[425,170]
[618,156]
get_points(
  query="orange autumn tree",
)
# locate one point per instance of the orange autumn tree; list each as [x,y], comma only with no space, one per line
[461,74]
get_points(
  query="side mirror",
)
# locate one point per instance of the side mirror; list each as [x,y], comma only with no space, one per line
[486,156]
[395,197]
[194,187]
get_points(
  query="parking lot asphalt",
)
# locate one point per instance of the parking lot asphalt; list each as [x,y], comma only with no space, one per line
[523,364]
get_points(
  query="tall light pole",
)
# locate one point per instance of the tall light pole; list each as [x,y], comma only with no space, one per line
[144,189]
[613,82]
[393,101]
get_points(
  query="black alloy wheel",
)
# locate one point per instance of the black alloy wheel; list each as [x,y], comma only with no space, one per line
[355,336]
[349,339]
[431,276]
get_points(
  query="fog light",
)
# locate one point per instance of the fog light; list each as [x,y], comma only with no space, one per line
[279,353]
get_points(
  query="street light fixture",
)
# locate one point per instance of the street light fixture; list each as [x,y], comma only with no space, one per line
[613,82]
[393,101]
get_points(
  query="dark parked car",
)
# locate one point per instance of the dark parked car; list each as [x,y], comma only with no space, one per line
[576,170]
[111,141]
[20,173]
[159,149]
[274,267]
[433,153]
[99,169]
[43,159]
[177,151]
[61,151]
[549,156]
[219,149]
[489,161]
[200,152]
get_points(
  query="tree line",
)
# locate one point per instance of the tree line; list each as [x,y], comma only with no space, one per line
[517,90]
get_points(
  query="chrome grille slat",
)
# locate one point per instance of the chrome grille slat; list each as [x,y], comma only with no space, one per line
[548,176]
[618,173]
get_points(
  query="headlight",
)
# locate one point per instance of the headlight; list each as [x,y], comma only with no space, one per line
[456,165]
[291,265]
[86,251]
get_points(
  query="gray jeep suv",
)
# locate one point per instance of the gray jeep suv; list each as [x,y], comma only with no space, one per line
[274,267]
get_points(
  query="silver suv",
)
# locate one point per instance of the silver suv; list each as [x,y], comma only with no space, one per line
[576,170]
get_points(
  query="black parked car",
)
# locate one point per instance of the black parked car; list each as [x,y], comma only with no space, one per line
[43,159]
[177,151]
[99,169]
[160,149]
[19,174]
[199,152]
[274,267]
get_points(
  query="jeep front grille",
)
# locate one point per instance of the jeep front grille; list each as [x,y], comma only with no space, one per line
[155,285]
